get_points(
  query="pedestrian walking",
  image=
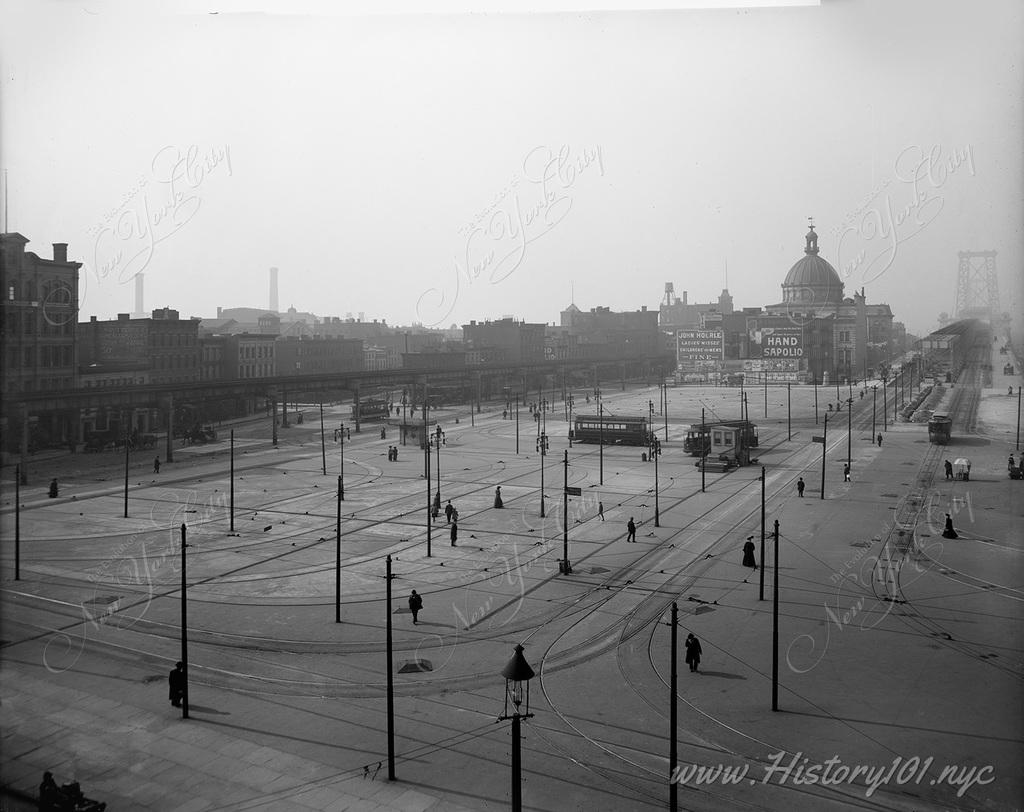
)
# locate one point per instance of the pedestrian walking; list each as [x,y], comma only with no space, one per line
[948,532]
[846,472]
[497,498]
[448,511]
[631,530]
[748,553]
[455,532]
[693,651]
[800,487]
[53,489]
[600,510]
[879,440]
[156,465]
[348,434]
[176,684]
[394,453]
[949,469]
[415,604]
[383,434]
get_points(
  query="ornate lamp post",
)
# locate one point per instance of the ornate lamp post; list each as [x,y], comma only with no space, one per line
[517,674]
[656,452]
[438,440]
[542,447]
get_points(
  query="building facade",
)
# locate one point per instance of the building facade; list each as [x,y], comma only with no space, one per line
[163,349]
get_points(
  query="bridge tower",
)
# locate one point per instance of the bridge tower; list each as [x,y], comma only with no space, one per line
[977,286]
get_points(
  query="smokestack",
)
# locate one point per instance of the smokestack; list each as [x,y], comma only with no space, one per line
[273,290]
[60,252]
[140,310]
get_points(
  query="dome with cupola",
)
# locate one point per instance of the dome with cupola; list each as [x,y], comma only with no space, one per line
[812,281]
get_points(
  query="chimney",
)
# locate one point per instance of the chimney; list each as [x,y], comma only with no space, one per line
[60,252]
[123,316]
[140,310]
[273,290]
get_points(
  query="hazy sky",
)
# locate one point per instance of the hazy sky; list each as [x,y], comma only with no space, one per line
[440,168]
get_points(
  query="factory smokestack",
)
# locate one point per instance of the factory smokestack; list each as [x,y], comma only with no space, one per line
[140,309]
[273,290]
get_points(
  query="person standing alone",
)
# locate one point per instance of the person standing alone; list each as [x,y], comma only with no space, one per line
[631,530]
[693,651]
[800,487]
[176,684]
[415,604]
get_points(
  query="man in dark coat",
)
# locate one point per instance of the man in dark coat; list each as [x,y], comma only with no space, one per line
[156,465]
[449,509]
[693,651]
[949,532]
[631,530]
[176,684]
[455,533]
[498,503]
[879,440]
[949,469]
[748,553]
[415,604]
[800,487]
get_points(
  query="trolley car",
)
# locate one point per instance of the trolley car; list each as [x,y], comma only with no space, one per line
[707,438]
[940,427]
[611,430]
[371,409]
[729,441]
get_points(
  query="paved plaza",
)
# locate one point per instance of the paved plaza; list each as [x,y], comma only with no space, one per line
[900,652]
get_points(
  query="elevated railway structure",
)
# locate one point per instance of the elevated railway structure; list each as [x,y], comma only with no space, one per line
[75,414]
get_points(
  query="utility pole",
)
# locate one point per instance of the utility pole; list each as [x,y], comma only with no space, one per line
[761,594]
[391,682]
[824,446]
[775,623]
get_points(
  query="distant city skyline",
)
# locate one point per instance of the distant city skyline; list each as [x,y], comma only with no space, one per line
[441,168]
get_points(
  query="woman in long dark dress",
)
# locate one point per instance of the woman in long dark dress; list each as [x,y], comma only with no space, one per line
[693,652]
[949,532]
[748,553]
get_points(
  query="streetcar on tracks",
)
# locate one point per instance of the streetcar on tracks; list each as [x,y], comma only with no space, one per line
[728,441]
[611,430]
[377,408]
[706,438]
[940,429]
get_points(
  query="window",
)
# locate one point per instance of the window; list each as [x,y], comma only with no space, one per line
[10,293]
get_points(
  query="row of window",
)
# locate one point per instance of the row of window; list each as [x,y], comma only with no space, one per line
[62,355]
[29,322]
[157,339]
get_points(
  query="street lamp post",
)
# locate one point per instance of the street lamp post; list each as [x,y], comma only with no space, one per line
[542,447]
[438,439]
[656,452]
[703,451]
[570,402]
[517,674]
[874,402]
[849,432]
[885,403]
[600,439]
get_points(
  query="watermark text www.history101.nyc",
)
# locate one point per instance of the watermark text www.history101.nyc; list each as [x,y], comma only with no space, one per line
[796,770]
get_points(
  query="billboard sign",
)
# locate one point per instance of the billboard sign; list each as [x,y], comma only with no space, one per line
[782,342]
[699,345]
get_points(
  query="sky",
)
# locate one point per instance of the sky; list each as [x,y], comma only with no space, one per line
[437,168]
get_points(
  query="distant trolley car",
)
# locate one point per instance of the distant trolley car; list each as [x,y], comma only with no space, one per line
[611,430]
[371,409]
[730,440]
[940,428]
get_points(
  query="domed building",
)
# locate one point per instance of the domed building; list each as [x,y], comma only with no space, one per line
[812,281]
[815,333]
